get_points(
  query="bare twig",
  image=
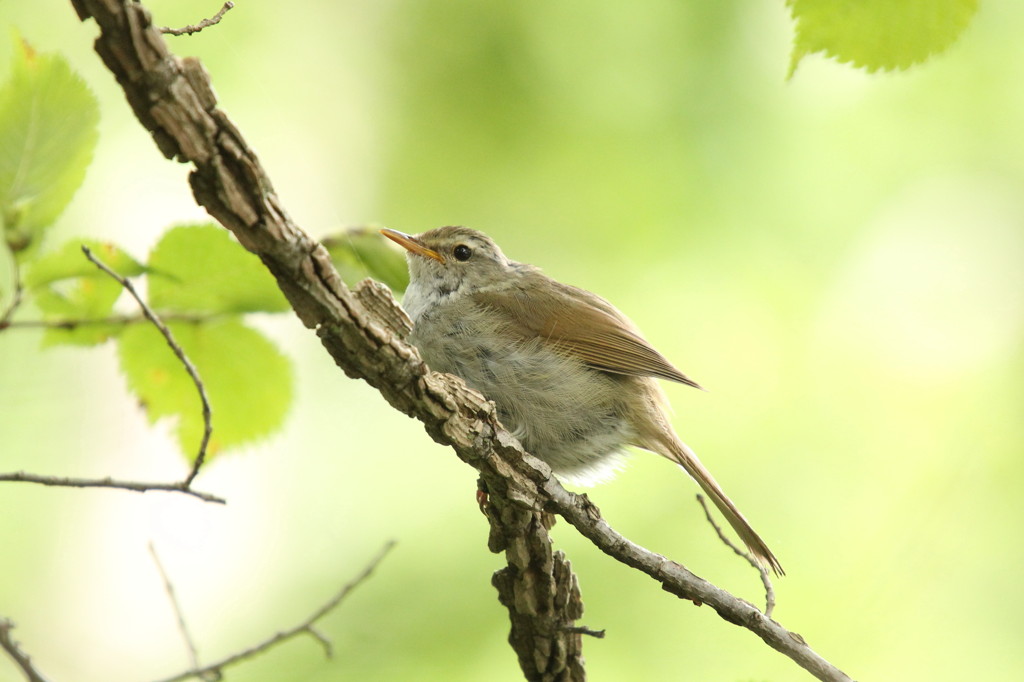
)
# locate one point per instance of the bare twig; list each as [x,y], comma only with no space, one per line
[584,630]
[196,28]
[118,320]
[23,660]
[19,290]
[134,486]
[178,352]
[193,657]
[307,627]
[769,589]
[324,642]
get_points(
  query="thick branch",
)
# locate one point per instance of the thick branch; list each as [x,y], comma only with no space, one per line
[363,329]
[539,590]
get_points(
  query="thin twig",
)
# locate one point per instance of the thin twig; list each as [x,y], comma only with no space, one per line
[305,626]
[193,657]
[119,320]
[322,638]
[178,352]
[769,589]
[23,660]
[196,28]
[584,630]
[134,486]
[19,291]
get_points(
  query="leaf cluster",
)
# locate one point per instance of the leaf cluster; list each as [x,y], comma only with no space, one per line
[199,281]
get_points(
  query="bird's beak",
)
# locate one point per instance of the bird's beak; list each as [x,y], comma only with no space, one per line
[412,244]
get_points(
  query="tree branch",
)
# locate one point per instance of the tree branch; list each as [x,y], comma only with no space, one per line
[769,589]
[120,320]
[16,297]
[193,656]
[214,670]
[196,28]
[539,590]
[579,511]
[22,659]
[134,486]
[179,353]
[363,329]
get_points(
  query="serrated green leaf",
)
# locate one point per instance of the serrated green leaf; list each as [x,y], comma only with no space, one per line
[247,379]
[48,120]
[363,252]
[66,287]
[200,268]
[878,34]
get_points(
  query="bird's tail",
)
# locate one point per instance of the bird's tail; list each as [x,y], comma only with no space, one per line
[680,453]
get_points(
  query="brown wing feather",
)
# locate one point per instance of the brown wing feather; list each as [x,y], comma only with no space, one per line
[582,324]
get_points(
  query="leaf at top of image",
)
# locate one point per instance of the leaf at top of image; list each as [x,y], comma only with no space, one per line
[48,130]
[878,34]
[247,379]
[362,252]
[201,269]
[67,288]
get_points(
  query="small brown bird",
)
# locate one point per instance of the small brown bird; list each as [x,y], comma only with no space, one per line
[571,376]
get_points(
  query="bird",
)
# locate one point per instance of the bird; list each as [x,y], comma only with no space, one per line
[570,376]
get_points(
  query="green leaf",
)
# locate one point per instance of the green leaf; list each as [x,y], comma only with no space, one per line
[248,381]
[68,288]
[878,34]
[200,268]
[48,120]
[363,252]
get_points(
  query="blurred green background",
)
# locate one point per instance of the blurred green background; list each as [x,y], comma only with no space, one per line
[838,258]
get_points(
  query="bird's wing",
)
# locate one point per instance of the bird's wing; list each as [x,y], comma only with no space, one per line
[579,323]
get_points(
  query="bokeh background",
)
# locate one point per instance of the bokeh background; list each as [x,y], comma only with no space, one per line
[837,257]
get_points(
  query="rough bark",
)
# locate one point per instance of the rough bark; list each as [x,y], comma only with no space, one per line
[363,330]
[540,592]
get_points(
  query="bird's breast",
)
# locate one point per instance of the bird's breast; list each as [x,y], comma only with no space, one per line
[566,413]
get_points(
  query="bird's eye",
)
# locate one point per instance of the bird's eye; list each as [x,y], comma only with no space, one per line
[462,252]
